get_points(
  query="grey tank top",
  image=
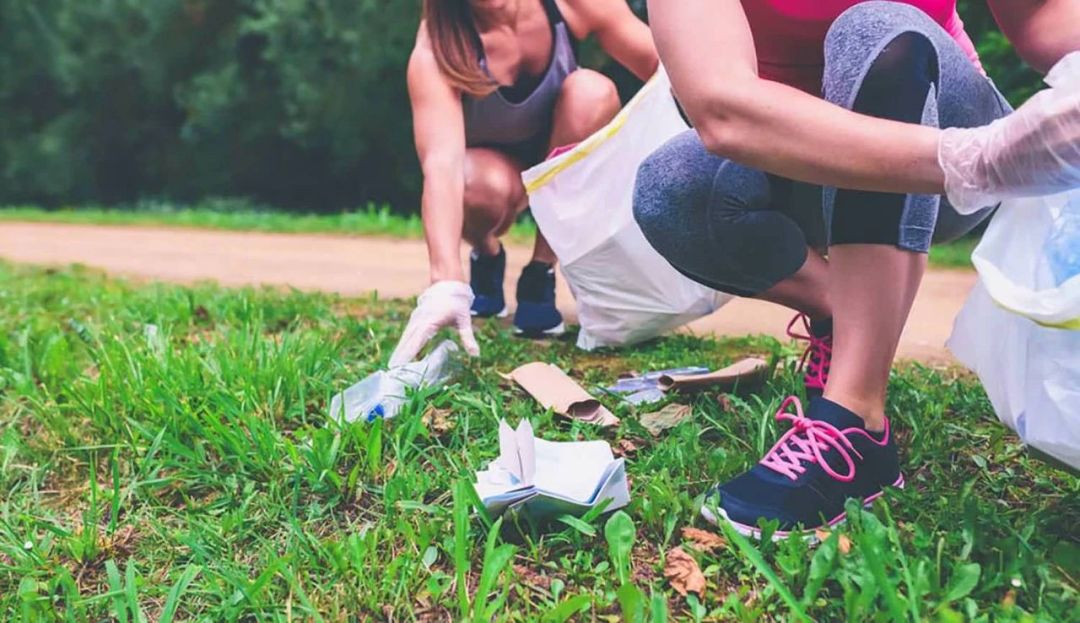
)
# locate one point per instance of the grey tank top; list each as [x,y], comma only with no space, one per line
[498,120]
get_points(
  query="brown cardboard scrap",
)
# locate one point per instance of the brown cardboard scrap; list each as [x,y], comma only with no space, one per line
[554,390]
[743,372]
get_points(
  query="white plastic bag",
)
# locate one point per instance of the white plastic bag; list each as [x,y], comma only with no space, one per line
[1020,331]
[582,201]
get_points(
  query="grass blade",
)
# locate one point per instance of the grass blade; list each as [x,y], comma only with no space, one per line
[172,602]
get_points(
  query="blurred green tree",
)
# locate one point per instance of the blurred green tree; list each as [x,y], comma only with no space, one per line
[299,103]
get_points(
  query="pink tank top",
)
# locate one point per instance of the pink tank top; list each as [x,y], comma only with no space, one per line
[790,34]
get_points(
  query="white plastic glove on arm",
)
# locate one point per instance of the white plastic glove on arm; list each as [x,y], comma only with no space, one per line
[1034,151]
[443,304]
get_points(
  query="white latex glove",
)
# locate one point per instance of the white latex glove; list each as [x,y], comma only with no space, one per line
[443,304]
[1034,151]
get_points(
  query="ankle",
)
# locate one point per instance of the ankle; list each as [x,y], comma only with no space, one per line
[489,248]
[872,412]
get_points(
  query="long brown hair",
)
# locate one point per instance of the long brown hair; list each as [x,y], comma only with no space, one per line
[454,41]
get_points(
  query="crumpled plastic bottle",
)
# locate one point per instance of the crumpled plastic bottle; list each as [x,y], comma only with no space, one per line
[382,394]
[1063,243]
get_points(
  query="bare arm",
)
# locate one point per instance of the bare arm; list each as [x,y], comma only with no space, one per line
[1042,31]
[439,132]
[620,33]
[707,48]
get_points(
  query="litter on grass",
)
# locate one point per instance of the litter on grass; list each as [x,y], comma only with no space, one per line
[670,416]
[645,388]
[651,386]
[545,479]
[747,371]
[554,390]
[382,394]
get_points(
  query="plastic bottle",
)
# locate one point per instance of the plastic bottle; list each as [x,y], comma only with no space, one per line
[1063,243]
[382,394]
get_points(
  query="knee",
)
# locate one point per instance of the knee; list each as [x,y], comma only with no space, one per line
[671,183]
[490,191]
[586,93]
[878,17]
[898,33]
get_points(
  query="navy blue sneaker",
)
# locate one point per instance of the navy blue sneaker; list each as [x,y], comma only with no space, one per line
[805,479]
[536,315]
[486,273]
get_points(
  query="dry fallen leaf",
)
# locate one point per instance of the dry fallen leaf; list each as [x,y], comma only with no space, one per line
[726,406]
[683,573]
[532,578]
[703,539]
[624,447]
[671,415]
[438,420]
[844,544]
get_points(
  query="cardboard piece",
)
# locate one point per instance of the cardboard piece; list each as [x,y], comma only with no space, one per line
[743,372]
[554,390]
[546,479]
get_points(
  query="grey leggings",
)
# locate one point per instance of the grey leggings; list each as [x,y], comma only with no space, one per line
[741,230]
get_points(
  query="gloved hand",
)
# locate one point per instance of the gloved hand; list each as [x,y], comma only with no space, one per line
[443,304]
[1034,151]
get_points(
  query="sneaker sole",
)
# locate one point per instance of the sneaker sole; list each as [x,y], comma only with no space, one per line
[555,331]
[502,313]
[780,535]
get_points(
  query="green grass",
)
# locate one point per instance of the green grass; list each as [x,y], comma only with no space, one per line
[191,474]
[241,215]
[955,254]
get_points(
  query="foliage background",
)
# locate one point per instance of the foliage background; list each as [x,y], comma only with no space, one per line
[295,103]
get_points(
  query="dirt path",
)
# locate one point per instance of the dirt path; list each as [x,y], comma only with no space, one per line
[394,268]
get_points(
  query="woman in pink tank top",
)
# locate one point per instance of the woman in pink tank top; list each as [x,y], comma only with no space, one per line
[789,35]
[826,133]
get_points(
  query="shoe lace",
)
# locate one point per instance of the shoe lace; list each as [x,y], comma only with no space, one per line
[817,357]
[804,443]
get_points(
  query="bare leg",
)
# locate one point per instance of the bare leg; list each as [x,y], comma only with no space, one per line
[587,102]
[877,284]
[494,195]
[806,291]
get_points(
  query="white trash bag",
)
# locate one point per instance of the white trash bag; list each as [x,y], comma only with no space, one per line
[1020,328]
[582,201]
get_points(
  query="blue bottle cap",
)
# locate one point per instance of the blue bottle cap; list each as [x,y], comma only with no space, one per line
[377,412]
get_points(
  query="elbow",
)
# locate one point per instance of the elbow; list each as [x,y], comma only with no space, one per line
[719,136]
[441,165]
[723,130]
[723,118]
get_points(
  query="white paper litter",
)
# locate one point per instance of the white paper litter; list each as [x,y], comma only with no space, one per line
[548,478]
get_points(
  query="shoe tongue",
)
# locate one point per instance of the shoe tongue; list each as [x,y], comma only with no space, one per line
[821,328]
[825,410]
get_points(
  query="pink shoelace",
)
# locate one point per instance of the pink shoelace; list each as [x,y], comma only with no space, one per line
[804,444]
[817,356]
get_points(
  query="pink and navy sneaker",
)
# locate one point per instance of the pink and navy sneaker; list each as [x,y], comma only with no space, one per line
[804,480]
[818,354]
